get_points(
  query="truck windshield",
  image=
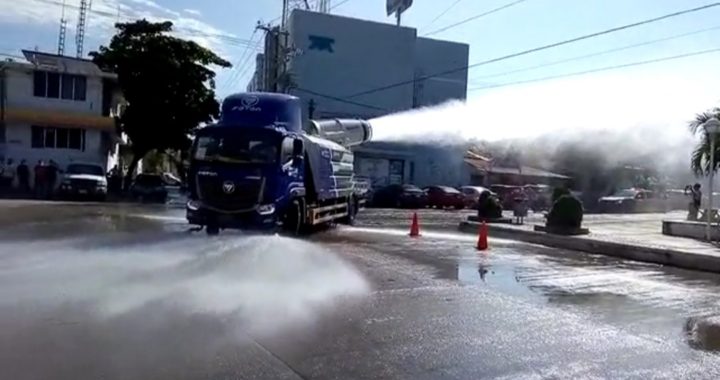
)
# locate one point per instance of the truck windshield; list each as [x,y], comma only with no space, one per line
[237,149]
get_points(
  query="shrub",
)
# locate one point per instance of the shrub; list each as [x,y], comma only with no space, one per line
[489,207]
[559,192]
[567,211]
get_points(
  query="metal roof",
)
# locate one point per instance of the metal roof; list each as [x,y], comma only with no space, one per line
[519,171]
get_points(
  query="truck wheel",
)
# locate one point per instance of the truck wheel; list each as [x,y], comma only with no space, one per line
[352,212]
[212,229]
[293,222]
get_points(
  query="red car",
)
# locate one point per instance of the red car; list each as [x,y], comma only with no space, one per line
[445,197]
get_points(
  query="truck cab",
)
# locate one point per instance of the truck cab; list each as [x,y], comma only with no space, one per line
[257,168]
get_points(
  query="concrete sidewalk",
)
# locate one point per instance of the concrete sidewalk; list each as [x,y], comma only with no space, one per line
[631,236]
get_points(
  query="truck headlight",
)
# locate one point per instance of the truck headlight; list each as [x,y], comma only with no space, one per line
[192,206]
[66,182]
[266,209]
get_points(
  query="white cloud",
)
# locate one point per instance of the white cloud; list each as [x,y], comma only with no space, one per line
[193,12]
[105,13]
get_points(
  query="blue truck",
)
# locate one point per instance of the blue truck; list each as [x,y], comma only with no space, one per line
[259,167]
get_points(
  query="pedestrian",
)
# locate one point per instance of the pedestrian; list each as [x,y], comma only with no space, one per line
[8,176]
[520,207]
[39,179]
[52,176]
[695,201]
[23,176]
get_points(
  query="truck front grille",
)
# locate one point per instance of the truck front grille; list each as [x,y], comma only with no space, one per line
[245,195]
[83,183]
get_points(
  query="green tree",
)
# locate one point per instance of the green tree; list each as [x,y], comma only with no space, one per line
[700,159]
[167,83]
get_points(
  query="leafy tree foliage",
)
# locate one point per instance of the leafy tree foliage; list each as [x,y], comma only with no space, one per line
[166,81]
[700,159]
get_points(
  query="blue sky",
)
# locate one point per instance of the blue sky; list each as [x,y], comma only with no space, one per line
[227,25]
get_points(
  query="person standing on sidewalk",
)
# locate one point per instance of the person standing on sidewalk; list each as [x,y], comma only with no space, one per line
[40,180]
[52,176]
[695,201]
[8,176]
[23,176]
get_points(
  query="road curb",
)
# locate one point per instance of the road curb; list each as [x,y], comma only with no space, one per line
[656,255]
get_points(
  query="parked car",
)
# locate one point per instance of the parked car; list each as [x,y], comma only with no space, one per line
[472,195]
[539,196]
[85,181]
[445,197]
[633,200]
[149,188]
[505,194]
[399,196]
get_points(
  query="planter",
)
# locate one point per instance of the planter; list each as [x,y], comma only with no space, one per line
[557,230]
[475,218]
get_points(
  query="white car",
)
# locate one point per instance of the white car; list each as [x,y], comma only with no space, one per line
[84,181]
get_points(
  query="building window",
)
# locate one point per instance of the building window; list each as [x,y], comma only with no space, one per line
[38,139]
[40,83]
[80,88]
[53,85]
[61,136]
[59,86]
[58,138]
[68,84]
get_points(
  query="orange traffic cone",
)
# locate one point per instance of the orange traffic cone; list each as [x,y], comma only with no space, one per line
[482,243]
[415,227]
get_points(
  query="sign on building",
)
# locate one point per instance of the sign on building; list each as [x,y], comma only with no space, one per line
[397,6]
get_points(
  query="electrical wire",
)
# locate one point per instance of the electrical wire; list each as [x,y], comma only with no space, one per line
[599,53]
[443,13]
[540,48]
[235,67]
[495,10]
[241,67]
[338,4]
[600,69]
[339,99]
[228,38]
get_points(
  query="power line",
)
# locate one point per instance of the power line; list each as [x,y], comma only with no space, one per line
[240,66]
[540,48]
[606,68]
[337,5]
[339,99]
[242,56]
[443,13]
[114,16]
[603,52]
[498,9]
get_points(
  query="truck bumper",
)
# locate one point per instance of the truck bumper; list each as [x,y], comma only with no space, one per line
[198,214]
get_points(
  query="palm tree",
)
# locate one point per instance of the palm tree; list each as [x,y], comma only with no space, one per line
[700,159]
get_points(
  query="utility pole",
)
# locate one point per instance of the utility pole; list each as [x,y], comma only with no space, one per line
[277,50]
[324,6]
[311,109]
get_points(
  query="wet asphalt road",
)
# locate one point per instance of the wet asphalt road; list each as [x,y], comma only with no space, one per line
[125,292]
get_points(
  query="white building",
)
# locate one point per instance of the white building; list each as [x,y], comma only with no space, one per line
[57,108]
[329,59]
[345,67]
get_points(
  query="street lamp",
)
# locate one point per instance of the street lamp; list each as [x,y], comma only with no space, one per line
[712,128]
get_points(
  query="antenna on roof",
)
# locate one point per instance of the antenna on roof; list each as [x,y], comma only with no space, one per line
[63,32]
[82,21]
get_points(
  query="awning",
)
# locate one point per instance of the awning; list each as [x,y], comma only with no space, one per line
[53,118]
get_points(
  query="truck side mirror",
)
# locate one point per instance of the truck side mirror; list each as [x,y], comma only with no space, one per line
[298,152]
[298,148]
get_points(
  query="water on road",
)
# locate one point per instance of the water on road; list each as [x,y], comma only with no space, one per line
[126,292]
